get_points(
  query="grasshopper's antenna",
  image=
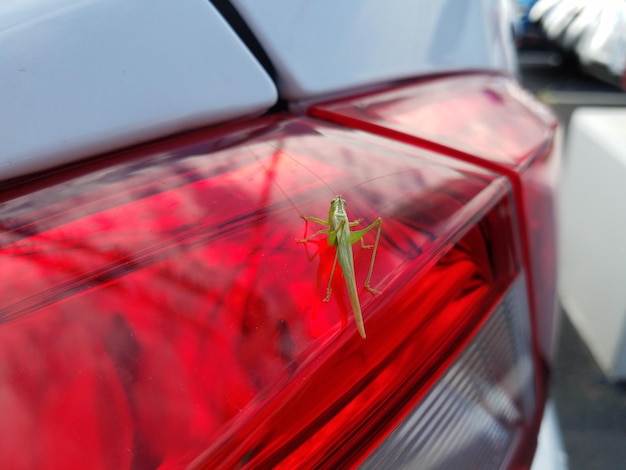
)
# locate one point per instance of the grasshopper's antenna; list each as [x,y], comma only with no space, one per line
[295,160]
[386,175]
[271,174]
[280,151]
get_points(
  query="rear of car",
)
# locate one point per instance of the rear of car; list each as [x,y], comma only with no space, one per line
[157,310]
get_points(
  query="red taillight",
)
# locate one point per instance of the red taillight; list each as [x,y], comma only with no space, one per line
[157,311]
[489,121]
[474,416]
[347,397]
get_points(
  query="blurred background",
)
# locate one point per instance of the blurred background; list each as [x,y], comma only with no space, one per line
[573,57]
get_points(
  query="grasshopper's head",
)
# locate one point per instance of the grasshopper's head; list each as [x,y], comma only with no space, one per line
[337,205]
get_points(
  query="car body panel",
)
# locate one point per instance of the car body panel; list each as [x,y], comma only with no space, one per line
[324,47]
[85,77]
[550,453]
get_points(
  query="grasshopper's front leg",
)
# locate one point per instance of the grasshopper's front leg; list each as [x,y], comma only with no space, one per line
[331,234]
[317,220]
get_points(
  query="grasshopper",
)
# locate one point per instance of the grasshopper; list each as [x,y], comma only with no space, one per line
[340,236]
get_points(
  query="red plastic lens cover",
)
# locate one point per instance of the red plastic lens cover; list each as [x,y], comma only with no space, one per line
[488,117]
[488,120]
[159,307]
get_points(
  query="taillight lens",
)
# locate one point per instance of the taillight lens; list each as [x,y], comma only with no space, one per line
[490,121]
[475,415]
[157,310]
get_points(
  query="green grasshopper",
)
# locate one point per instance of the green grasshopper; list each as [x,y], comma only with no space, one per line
[340,236]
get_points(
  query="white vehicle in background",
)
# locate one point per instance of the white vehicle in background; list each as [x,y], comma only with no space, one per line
[156,310]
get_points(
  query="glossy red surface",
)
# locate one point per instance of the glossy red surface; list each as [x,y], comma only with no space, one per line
[490,121]
[486,116]
[159,308]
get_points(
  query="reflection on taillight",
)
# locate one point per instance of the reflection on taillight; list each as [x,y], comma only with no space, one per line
[158,311]
[490,121]
[355,392]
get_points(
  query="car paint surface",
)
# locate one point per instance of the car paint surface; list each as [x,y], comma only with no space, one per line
[324,47]
[85,77]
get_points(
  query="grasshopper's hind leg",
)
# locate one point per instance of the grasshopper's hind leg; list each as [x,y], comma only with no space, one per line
[358,235]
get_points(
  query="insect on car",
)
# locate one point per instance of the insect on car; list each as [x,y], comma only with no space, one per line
[156,308]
